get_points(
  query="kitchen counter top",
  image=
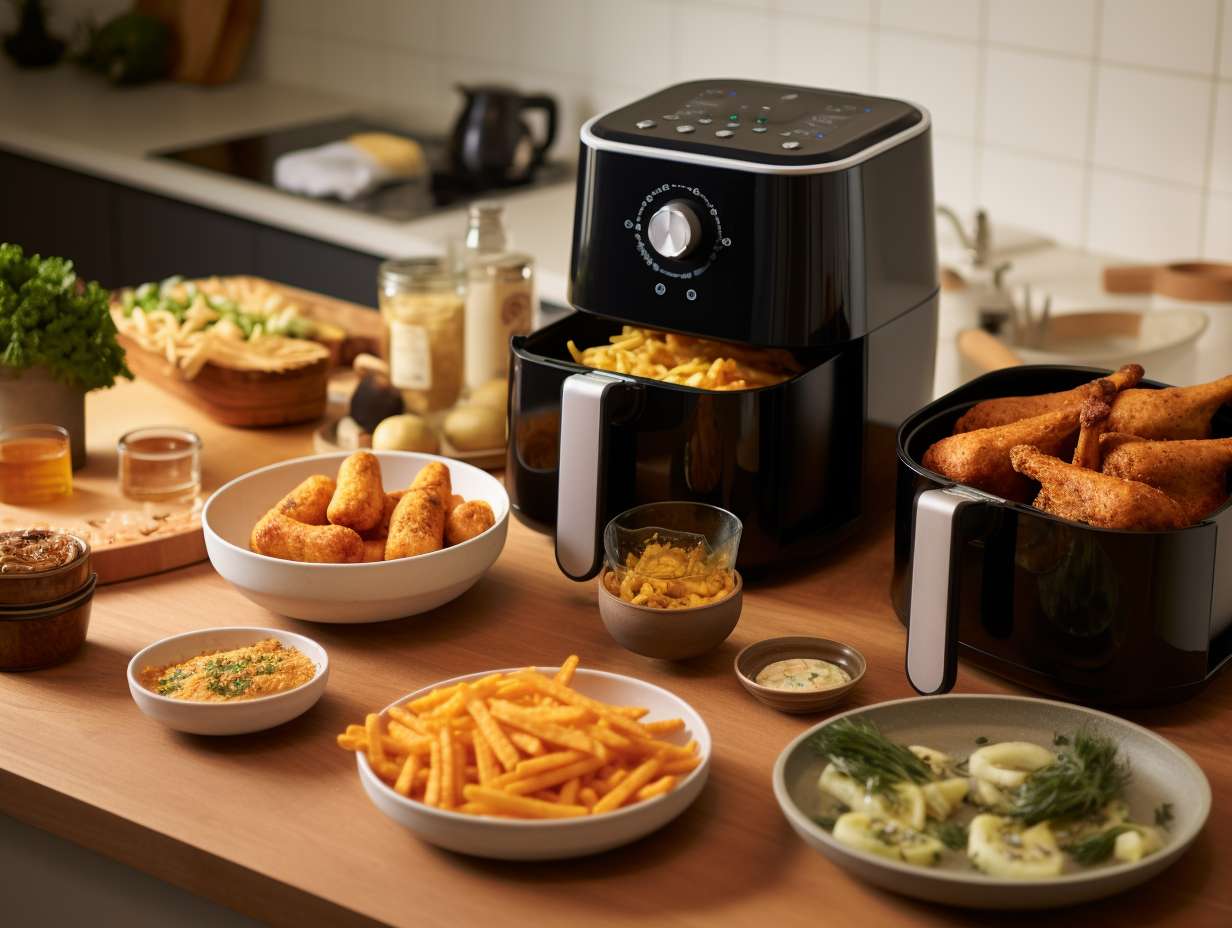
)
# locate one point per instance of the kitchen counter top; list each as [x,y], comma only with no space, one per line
[74,119]
[277,824]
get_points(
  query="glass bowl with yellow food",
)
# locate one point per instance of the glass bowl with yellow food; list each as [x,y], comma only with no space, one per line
[670,589]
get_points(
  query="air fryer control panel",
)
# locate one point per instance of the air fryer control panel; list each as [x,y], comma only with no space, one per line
[775,124]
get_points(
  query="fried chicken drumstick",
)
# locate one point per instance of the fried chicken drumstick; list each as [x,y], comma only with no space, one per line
[1083,495]
[1171,413]
[1007,409]
[981,458]
[1192,472]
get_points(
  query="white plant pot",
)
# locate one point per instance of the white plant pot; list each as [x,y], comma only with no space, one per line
[33,396]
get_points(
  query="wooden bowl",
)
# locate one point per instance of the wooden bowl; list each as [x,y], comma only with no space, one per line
[670,634]
[753,659]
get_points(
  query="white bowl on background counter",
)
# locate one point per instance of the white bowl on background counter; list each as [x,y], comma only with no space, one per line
[554,839]
[237,717]
[348,593]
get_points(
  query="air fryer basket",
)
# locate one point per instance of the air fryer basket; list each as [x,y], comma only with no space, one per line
[1097,615]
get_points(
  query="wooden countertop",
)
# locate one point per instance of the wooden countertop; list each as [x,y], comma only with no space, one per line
[276,825]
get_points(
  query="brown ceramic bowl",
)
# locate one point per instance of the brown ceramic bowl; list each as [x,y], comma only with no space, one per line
[40,587]
[753,659]
[33,637]
[670,634]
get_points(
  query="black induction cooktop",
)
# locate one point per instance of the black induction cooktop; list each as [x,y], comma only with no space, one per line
[252,157]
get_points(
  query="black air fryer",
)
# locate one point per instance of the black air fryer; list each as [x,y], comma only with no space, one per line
[1096,615]
[764,214]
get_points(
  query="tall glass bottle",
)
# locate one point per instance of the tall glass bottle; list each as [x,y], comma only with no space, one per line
[499,294]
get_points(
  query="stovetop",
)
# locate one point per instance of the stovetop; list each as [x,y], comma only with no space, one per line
[252,157]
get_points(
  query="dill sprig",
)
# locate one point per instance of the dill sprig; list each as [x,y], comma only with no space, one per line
[1096,848]
[1084,778]
[860,750]
[951,834]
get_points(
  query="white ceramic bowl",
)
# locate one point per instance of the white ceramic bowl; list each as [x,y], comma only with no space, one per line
[515,839]
[348,592]
[225,718]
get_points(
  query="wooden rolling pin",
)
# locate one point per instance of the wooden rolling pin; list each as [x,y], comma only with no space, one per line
[985,351]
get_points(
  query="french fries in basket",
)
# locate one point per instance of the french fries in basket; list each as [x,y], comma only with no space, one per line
[522,745]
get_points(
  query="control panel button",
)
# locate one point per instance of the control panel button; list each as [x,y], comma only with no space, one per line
[645,123]
[705,120]
[670,116]
[759,128]
[791,146]
[684,128]
[674,230]
[724,134]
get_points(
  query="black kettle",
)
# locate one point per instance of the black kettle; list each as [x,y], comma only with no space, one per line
[491,145]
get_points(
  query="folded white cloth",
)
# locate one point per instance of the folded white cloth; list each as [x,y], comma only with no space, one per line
[339,169]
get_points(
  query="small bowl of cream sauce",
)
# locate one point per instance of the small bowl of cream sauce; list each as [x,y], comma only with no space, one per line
[800,674]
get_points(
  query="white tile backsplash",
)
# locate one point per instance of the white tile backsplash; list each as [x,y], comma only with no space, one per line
[1152,123]
[1225,43]
[1221,147]
[821,53]
[940,74]
[1049,25]
[851,11]
[1142,219]
[1177,34]
[1039,193]
[709,40]
[954,173]
[955,18]
[1037,102]
[1105,123]
[1217,241]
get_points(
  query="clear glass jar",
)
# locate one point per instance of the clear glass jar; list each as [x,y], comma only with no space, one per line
[423,309]
[160,464]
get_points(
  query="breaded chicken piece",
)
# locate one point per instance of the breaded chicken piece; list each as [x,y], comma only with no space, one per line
[277,536]
[466,520]
[1097,499]
[308,502]
[981,459]
[1172,413]
[359,500]
[1006,409]
[1193,472]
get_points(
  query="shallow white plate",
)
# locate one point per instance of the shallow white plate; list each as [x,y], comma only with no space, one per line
[348,592]
[515,839]
[225,718]
[1161,773]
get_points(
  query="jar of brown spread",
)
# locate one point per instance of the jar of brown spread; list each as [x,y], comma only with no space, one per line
[46,588]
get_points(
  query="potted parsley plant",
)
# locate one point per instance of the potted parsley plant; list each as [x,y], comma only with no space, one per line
[57,343]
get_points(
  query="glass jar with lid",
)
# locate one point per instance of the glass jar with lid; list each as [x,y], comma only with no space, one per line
[423,311]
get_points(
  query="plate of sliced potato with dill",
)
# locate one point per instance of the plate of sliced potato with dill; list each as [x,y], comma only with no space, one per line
[997,802]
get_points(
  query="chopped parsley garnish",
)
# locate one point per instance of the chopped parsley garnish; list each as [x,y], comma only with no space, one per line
[951,834]
[981,740]
[1098,847]
[1060,740]
[171,682]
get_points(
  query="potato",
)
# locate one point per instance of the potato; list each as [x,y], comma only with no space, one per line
[475,428]
[405,433]
[494,393]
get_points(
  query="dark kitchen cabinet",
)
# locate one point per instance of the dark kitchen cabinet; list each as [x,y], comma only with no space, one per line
[50,211]
[156,237]
[120,236]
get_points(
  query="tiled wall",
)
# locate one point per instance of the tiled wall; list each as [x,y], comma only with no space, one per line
[1105,123]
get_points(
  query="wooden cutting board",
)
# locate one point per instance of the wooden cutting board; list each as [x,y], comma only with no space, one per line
[174,536]
[1201,281]
[257,399]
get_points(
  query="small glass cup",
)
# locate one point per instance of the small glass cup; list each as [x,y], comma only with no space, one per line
[160,464]
[683,525]
[35,464]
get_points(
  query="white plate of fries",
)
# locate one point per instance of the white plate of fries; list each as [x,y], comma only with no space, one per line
[533,763]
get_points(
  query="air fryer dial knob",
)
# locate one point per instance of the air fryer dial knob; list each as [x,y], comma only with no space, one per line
[674,229]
